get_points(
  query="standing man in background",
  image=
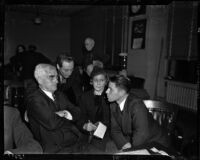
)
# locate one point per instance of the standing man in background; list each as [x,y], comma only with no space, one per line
[89,54]
[69,78]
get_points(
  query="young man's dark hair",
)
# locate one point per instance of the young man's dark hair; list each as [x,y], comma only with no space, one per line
[63,57]
[121,82]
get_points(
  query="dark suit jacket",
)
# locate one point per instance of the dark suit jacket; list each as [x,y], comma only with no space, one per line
[73,86]
[90,110]
[17,137]
[135,125]
[52,131]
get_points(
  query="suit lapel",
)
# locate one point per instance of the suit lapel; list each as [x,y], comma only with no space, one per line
[126,118]
[49,100]
[117,114]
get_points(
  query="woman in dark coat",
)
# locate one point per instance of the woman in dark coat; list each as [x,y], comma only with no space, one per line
[95,108]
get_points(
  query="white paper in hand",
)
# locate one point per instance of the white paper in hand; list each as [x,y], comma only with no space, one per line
[135,152]
[100,131]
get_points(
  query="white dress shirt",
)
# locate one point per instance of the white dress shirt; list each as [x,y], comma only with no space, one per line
[68,115]
[49,94]
[121,105]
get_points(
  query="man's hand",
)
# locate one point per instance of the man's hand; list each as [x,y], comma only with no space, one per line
[65,114]
[89,127]
[126,146]
[60,113]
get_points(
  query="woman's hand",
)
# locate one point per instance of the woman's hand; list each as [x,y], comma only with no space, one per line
[89,127]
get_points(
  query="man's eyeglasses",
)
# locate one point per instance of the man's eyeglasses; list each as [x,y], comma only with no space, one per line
[69,58]
[52,77]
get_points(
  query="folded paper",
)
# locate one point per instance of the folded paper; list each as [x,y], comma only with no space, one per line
[100,131]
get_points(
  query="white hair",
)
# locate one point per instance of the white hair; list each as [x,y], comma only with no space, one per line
[42,69]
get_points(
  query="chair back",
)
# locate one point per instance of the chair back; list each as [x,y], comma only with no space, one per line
[163,112]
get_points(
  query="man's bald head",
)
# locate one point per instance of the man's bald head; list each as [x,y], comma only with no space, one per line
[89,43]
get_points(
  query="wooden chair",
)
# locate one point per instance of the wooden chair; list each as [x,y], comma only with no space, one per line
[26,117]
[163,112]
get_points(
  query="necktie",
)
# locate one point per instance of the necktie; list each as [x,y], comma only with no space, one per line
[118,109]
[56,103]
[54,97]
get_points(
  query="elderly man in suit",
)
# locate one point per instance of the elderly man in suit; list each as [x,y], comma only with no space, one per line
[131,124]
[17,137]
[51,116]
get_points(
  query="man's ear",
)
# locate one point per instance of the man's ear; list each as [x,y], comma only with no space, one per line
[121,92]
[40,80]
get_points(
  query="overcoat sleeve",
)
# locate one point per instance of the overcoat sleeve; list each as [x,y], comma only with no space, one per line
[23,138]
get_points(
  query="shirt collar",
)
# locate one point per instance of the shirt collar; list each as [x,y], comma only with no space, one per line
[98,93]
[121,105]
[49,94]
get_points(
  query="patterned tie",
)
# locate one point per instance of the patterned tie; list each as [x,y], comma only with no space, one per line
[54,97]
[56,103]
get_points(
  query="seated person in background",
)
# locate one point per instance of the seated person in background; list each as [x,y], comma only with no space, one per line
[16,60]
[69,78]
[17,137]
[131,124]
[89,53]
[86,79]
[95,108]
[123,72]
[51,116]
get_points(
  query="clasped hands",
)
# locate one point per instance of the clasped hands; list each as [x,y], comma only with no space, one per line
[90,126]
[64,113]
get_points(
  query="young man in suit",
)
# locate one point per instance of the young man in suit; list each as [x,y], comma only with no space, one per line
[51,116]
[132,125]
